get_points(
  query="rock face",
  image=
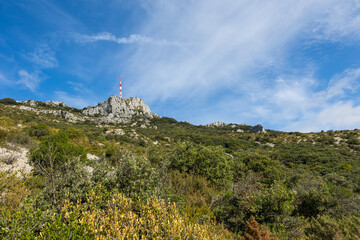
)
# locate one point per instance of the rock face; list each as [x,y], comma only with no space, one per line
[258,129]
[120,108]
[56,104]
[216,124]
[113,110]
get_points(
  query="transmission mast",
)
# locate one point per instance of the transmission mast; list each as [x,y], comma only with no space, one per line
[120,88]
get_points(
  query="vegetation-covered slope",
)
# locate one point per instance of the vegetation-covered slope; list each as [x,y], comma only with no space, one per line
[165,179]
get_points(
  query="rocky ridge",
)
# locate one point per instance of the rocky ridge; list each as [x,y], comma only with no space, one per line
[112,110]
[115,107]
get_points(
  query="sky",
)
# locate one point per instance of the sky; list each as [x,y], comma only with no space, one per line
[288,65]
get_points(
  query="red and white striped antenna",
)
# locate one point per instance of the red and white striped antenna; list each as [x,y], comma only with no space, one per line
[120,88]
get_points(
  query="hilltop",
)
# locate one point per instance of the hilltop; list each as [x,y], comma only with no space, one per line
[296,185]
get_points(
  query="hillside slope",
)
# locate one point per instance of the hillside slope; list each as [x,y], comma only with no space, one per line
[120,164]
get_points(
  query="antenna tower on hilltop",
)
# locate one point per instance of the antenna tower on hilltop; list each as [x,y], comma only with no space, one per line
[120,88]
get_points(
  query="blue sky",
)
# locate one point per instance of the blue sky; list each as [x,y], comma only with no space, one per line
[289,65]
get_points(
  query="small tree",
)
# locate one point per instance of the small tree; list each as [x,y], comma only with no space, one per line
[56,159]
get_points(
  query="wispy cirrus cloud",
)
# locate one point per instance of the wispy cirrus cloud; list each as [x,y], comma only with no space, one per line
[30,80]
[3,79]
[43,57]
[230,40]
[106,36]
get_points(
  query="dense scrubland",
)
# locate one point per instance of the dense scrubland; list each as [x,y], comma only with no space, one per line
[173,180]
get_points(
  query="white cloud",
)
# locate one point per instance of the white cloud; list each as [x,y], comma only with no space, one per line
[30,80]
[43,57]
[226,44]
[309,110]
[291,104]
[347,81]
[340,115]
[226,41]
[106,36]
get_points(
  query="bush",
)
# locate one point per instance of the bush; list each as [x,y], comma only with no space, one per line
[133,175]
[105,215]
[20,138]
[39,130]
[13,190]
[8,101]
[325,227]
[56,159]
[210,162]
[3,134]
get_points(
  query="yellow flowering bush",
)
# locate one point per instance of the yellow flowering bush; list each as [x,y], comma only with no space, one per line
[115,216]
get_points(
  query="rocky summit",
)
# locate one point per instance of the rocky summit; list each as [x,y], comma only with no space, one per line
[120,107]
[112,110]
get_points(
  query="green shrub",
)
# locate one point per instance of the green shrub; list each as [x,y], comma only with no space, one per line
[210,162]
[59,162]
[3,134]
[132,174]
[326,227]
[8,101]
[39,130]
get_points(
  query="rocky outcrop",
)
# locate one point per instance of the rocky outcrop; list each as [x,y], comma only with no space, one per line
[56,104]
[113,110]
[60,113]
[216,124]
[115,107]
[258,129]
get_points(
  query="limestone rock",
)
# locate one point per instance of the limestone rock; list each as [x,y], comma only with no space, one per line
[258,129]
[32,103]
[116,132]
[216,124]
[15,160]
[92,157]
[116,107]
[56,104]
[113,110]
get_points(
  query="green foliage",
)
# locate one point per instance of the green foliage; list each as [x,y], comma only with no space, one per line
[58,161]
[20,138]
[261,163]
[39,130]
[3,135]
[312,197]
[210,162]
[274,202]
[234,208]
[25,223]
[326,227]
[107,215]
[305,186]
[8,101]
[13,190]
[133,175]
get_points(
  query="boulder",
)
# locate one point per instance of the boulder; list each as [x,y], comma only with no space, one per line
[258,129]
